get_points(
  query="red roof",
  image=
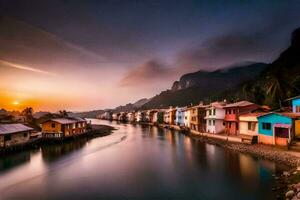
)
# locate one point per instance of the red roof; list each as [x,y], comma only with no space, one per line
[255,114]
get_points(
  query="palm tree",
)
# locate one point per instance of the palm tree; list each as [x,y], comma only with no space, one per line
[28,113]
[277,88]
[295,84]
[63,113]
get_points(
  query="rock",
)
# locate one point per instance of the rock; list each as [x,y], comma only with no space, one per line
[286,173]
[297,186]
[289,194]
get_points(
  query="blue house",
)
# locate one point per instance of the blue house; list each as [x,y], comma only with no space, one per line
[179,120]
[276,128]
[296,104]
[296,110]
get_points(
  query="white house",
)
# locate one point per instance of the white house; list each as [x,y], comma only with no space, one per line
[215,115]
[130,117]
[138,116]
[187,116]
[179,118]
[248,123]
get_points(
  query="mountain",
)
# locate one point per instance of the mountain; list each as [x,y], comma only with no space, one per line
[205,86]
[3,112]
[131,106]
[228,77]
[126,108]
[40,114]
[280,79]
[86,114]
[268,84]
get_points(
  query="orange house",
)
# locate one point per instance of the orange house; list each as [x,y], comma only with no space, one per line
[197,115]
[232,114]
[63,127]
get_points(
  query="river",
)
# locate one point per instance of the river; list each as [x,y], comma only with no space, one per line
[136,162]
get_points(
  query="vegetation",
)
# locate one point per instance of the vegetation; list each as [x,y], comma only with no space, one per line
[28,114]
[260,83]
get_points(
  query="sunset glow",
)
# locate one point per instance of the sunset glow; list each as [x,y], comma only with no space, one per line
[91,60]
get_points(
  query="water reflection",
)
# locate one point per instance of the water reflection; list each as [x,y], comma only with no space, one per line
[139,162]
[9,162]
[52,152]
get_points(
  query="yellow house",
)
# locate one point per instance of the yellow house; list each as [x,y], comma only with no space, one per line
[63,127]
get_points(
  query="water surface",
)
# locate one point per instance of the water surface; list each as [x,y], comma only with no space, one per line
[136,162]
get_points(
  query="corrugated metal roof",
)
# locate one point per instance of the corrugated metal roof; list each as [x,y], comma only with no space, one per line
[239,104]
[68,120]
[287,114]
[13,128]
[296,97]
[216,104]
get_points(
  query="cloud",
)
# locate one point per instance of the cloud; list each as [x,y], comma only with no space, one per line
[28,44]
[221,51]
[145,73]
[27,68]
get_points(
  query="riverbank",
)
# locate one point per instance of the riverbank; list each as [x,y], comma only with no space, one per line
[96,131]
[101,130]
[287,183]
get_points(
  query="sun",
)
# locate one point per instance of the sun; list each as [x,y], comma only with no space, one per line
[16,103]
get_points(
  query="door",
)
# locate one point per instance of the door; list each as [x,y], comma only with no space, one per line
[281,132]
[281,136]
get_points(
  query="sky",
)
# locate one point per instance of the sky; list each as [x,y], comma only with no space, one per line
[86,55]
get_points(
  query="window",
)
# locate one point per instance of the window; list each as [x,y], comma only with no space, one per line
[209,122]
[251,126]
[214,111]
[266,126]
[214,122]
[53,125]
[209,112]
[74,125]
[25,134]
[229,112]
[298,109]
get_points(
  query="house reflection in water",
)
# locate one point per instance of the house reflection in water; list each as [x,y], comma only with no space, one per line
[52,152]
[14,160]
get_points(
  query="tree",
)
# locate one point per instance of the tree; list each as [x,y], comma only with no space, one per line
[253,92]
[277,87]
[295,86]
[28,113]
[63,113]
